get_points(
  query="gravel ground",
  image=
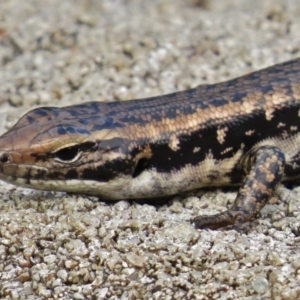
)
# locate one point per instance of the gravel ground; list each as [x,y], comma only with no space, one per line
[58,246]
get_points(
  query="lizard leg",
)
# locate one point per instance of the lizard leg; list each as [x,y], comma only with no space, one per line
[265,168]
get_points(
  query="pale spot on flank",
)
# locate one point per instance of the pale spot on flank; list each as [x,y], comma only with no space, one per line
[249,132]
[226,150]
[196,149]
[269,113]
[174,143]
[221,134]
[280,124]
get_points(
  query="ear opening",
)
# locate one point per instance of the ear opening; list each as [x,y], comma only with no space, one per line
[140,167]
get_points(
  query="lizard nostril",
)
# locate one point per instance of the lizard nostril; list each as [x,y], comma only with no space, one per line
[4,158]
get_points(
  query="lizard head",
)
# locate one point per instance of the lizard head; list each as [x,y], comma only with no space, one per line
[65,149]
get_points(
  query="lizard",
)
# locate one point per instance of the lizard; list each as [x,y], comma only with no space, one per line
[242,132]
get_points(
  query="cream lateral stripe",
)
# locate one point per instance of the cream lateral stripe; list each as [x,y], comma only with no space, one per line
[188,123]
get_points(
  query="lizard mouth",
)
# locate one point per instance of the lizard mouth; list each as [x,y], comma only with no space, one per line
[12,171]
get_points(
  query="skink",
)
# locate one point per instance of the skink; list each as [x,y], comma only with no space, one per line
[241,132]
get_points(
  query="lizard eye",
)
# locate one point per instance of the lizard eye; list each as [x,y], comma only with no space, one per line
[68,154]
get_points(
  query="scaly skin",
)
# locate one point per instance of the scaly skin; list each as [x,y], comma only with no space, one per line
[241,132]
